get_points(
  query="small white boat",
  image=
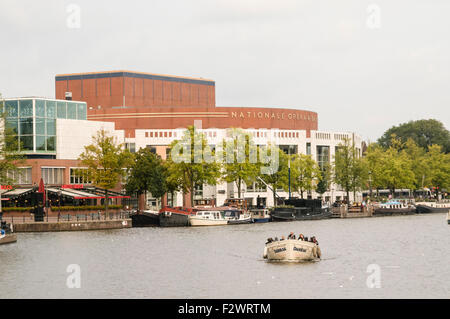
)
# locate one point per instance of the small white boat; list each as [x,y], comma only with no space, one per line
[292,250]
[6,234]
[235,216]
[260,215]
[207,218]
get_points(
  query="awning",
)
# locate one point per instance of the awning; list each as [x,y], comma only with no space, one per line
[78,194]
[17,192]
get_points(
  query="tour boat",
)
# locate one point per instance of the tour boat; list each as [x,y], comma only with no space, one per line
[207,218]
[292,250]
[432,207]
[301,209]
[145,218]
[175,216]
[393,207]
[260,215]
[6,234]
[236,216]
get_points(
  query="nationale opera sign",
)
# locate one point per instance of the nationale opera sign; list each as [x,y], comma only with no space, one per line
[273,116]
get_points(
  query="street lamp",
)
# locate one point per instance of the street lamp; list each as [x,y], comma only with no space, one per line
[59,203]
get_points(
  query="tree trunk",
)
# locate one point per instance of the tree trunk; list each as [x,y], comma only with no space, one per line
[239,187]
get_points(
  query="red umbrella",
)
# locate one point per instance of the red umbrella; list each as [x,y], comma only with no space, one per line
[41,188]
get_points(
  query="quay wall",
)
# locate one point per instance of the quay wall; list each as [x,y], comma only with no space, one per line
[72,225]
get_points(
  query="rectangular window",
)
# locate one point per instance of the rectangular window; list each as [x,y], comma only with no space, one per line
[40,108]
[27,143]
[323,155]
[53,175]
[51,141]
[40,143]
[50,109]
[81,111]
[40,126]
[12,126]
[21,176]
[79,176]
[308,148]
[12,108]
[131,147]
[61,110]
[71,111]
[26,108]
[26,126]
[51,127]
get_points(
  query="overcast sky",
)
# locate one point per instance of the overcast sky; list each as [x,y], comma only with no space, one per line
[362,65]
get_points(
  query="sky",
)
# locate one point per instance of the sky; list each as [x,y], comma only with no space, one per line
[363,66]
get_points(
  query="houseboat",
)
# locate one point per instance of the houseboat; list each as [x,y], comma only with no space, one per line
[393,207]
[207,218]
[301,209]
[432,207]
[175,216]
[145,218]
[260,215]
[292,250]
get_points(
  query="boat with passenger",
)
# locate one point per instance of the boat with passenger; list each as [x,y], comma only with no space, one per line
[292,250]
[7,234]
[260,215]
[432,207]
[394,207]
[301,209]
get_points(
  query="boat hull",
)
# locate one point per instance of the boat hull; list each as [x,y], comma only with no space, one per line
[173,219]
[144,219]
[424,209]
[261,220]
[240,221]
[292,215]
[196,221]
[393,211]
[8,239]
[292,250]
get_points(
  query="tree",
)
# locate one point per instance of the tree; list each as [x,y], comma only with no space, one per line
[147,174]
[106,162]
[424,132]
[324,180]
[10,155]
[373,160]
[274,168]
[348,168]
[192,162]
[241,162]
[397,167]
[438,165]
[304,172]
[416,155]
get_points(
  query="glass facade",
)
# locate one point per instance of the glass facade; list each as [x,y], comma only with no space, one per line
[323,156]
[33,121]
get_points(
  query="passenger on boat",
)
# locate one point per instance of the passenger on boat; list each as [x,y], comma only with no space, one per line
[276,239]
[282,238]
[301,237]
[306,238]
[269,240]
[291,236]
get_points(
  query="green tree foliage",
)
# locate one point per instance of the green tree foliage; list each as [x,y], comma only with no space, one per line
[147,174]
[324,179]
[397,167]
[304,173]
[106,162]
[192,162]
[424,132]
[373,161]
[349,169]
[241,159]
[10,156]
[276,176]
[438,167]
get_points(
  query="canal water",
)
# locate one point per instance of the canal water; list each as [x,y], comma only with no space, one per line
[382,257]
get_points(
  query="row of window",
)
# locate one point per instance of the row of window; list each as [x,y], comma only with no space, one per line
[46,109]
[50,175]
[160,134]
